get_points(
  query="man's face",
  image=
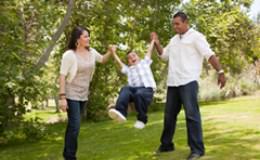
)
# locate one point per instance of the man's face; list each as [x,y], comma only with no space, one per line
[132,58]
[179,26]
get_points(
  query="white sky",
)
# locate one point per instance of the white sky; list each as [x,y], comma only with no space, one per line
[255,8]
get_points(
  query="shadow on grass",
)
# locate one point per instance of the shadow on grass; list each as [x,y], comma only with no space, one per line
[230,143]
[210,103]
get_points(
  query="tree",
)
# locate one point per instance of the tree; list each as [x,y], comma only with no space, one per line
[25,33]
[30,56]
[228,29]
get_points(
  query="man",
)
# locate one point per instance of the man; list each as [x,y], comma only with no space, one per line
[185,53]
[140,88]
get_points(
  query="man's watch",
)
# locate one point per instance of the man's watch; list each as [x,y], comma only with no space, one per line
[221,71]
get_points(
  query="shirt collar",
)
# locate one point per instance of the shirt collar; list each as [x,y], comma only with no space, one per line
[190,30]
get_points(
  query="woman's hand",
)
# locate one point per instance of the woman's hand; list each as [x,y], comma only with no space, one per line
[63,104]
[112,48]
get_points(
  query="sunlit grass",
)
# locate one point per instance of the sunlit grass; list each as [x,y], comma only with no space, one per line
[231,132]
[47,115]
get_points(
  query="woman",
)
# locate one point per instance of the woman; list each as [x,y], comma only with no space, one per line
[77,68]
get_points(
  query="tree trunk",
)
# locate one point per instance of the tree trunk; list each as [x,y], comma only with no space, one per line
[45,56]
[6,110]
[56,99]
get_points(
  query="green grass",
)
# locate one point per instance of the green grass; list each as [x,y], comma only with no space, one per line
[231,132]
[47,115]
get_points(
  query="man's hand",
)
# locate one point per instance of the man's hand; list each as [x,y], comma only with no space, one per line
[221,80]
[213,60]
[153,36]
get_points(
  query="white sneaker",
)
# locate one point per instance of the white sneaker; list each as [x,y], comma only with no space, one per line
[139,124]
[116,115]
[110,106]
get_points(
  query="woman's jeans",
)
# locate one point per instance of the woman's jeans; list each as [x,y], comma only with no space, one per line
[75,108]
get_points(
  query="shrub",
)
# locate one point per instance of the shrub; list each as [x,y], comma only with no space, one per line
[34,129]
[30,130]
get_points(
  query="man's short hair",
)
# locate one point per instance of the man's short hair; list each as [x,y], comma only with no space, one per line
[182,15]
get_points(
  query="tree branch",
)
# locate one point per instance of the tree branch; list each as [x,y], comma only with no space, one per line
[45,56]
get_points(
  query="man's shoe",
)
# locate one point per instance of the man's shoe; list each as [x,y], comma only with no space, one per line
[116,115]
[139,124]
[194,156]
[163,150]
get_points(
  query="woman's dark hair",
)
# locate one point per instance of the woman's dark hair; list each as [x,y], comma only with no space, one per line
[75,35]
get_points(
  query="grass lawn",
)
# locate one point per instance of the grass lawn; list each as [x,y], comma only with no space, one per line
[48,115]
[231,132]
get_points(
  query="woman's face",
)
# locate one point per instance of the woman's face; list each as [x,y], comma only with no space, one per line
[84,39]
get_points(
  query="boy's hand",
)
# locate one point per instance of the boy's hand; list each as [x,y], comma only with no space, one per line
[112,48]
[153,36]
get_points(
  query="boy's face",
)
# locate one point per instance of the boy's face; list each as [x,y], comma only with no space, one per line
[132,58]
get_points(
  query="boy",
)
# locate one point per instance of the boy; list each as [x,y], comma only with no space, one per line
[140,88]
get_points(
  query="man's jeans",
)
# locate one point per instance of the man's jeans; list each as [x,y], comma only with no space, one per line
[75,108]
[185,95]
[141,96]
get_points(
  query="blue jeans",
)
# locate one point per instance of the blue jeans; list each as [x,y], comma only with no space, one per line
[141,96]
[185,95]
[75,108]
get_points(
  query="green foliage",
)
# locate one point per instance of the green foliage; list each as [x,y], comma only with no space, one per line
[30,130]
[26,27]
[34,129]
[245,83]
[228,29]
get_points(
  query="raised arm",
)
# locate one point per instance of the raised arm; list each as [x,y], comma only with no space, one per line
[107,55]
[150,49]
[157,44]
[118,60]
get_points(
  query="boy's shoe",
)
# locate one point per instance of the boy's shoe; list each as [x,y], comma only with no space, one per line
[116,115]
[110,106]
[139,124]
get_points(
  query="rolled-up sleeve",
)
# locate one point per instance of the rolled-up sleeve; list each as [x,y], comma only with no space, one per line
[203,46]
[165,54]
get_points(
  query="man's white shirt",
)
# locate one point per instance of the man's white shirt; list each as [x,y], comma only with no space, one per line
[185,54]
